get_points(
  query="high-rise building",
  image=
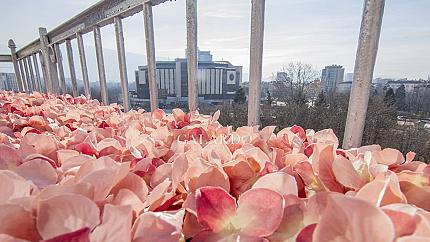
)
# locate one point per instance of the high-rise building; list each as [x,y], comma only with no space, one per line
[217,81]
[331,77]
[8,81]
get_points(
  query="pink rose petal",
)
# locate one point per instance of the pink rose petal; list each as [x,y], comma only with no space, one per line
[66,213]
[351,219]
[259,212]
[214,207]
[115,226]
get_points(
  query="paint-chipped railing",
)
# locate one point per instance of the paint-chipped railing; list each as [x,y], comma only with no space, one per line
[108,12]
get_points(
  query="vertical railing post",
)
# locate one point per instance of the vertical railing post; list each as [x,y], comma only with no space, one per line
[72,68]
[101,65]
[150,54]
[60,67]
[42,64]
[31,73]
[122,62]
[23,77]
[49,78]
[54,71]
[84,68]
[256,61]
[12,48]
[192,58]
[27,75]
[363,72]
[37,73]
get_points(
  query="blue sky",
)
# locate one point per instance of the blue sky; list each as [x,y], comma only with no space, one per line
[318,32]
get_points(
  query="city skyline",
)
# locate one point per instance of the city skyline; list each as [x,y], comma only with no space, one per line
[316,32]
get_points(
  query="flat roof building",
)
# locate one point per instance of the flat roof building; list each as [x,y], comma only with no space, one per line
[218,81]
[410,85]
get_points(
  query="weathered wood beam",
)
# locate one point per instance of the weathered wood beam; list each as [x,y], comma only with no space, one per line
[29,49]
[60,67]
[367,51]
[84,67]
[37,73]
[102,13]
[44,41]
[72,68]
[31,73]
[27,75]
[42,64]
[13,58]
[5,58]
[192,55]
[150,55]
[23,77]
[122,63]
[101,65]
[256,61]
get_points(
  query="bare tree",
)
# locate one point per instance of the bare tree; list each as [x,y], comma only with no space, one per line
[296,79]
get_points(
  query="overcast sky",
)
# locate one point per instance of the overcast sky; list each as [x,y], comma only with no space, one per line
[318,32]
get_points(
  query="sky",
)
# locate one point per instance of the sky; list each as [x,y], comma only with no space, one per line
[318,32]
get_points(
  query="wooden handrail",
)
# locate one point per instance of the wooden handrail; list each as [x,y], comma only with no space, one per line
[100,14]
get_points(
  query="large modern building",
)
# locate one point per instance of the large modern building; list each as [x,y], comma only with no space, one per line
[331,77]
[8,81]
[218,81]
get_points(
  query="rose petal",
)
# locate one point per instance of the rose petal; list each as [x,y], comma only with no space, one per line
[214,207]
[152,226]
[8,238]
[66,213]
[404,224]
[279,182]
[39,171]
[382,191]
[325,169]
[351,219]
[12,186]
[9,158]
[346,174]
[115,226]
[388,157]
[213,176]
[259,212]
[81,235]
[18,222]
[306,233]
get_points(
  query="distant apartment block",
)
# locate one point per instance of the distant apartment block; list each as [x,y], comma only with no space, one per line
[331,76]
[381,81]
[344,87]
[218,81]
[8,81]
[410,85]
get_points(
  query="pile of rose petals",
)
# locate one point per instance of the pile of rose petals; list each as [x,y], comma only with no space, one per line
[74,170]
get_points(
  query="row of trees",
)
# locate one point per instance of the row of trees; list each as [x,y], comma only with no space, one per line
[415,103]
